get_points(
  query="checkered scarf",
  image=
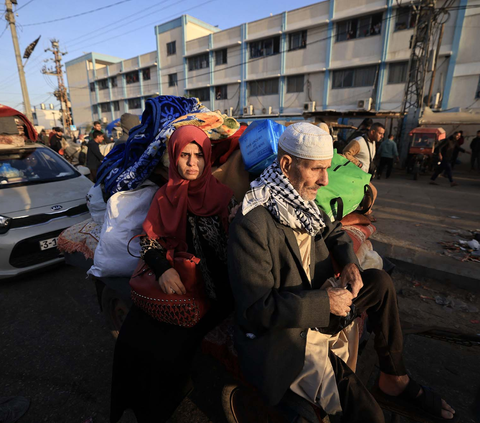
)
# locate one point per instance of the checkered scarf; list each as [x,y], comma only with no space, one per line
[274,191]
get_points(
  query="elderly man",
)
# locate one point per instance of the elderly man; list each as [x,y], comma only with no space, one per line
[291,311]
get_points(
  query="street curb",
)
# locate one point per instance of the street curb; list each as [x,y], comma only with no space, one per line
[444,269]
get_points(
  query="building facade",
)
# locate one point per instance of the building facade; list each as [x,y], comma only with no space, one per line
[46,118]
[334,55]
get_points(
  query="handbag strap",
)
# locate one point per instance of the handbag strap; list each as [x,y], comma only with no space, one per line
[339,203]
[366,205]
[128,245]
[368,148]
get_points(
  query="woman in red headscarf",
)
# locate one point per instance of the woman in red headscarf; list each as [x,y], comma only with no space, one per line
[151,370]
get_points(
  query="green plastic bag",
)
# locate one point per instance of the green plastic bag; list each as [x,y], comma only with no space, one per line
[347,186]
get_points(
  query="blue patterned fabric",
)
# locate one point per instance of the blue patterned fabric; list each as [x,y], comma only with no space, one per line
[128,165]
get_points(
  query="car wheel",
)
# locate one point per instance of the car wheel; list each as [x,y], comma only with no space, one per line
[115,310]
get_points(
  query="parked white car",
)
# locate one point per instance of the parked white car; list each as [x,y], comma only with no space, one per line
[41,194]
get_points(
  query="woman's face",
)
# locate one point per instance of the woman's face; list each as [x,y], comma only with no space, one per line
[191,162]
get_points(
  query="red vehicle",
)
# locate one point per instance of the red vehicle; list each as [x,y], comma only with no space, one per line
[421,154]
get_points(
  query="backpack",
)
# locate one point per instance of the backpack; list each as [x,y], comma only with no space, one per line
[347,187]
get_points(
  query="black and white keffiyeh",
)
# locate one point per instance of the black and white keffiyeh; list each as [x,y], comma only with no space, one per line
[273,190]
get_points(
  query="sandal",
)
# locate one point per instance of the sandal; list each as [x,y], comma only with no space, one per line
[428,406]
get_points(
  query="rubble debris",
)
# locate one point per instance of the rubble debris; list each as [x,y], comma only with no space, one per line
[463,250]
[455,304]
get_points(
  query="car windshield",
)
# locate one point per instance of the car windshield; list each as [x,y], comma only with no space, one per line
[423,140]
[32,166]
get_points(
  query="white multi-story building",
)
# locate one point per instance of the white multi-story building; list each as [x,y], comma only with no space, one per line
[334,55]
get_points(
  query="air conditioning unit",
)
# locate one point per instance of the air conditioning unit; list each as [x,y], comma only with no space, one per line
[309,106]
[267,110]
[365,104]
[248,110]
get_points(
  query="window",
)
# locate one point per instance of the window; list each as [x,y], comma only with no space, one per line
[198,62]
[477,94]
[134,103]
[352,78]
[297,40]
[221,57]
[113,81]
[406,17]
[171,48]
[263,48]
[103,84]
[116,106]
[203,94]
[397,73]
[264,87]
[146,74]
[92,87]
[48,167]
[172,80]
[104,107]
[295,84]
[132,77]
[221,92]
[364,26]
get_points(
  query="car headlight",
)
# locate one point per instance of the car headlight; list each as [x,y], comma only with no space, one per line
[4,224]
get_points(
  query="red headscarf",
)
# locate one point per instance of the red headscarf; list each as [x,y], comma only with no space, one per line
[205,196]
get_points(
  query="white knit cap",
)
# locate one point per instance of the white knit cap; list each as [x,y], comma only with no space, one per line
[306,141]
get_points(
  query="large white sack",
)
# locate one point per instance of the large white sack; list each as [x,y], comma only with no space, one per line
[96,204]
[126,212]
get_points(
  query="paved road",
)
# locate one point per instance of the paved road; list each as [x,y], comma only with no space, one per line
[56,350]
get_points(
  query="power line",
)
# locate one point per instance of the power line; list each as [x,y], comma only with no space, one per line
[25,5]
[102,30]
[78,14]
[151,23]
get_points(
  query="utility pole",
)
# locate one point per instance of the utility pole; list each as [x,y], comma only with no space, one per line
[413,99]
[10,17]
[61,92]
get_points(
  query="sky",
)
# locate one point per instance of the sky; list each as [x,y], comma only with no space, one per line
[123,28]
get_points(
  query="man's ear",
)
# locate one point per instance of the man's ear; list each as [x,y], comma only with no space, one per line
[285,163]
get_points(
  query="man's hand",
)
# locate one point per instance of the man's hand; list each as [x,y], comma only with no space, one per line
[340,301]
[170,283]
[351,276]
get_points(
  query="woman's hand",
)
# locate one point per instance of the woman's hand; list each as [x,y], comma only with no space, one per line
[170,283]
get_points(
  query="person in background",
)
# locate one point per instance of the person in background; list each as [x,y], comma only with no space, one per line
[361,150]
[56,139]
[458,148]
[94,156]
[97,126]
[388,153]
[362,129]
[446,150]
[43,138]
[475,147]
[127,122]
